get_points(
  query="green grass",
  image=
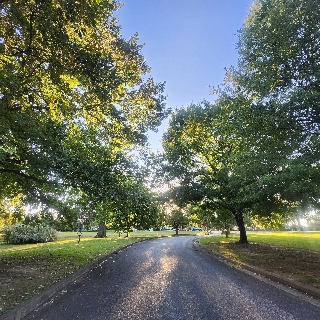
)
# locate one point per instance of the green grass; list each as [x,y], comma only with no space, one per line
[304,240]
[67,248]
[112,234]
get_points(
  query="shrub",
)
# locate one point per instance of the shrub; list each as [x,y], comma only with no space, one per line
[22,233]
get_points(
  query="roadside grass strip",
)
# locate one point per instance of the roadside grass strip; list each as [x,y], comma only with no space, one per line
[306,240]
[293,255]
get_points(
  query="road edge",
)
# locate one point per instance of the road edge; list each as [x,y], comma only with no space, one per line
[25,307]
[274,277]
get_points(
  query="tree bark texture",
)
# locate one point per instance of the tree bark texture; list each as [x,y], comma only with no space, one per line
[102,230]
[242,228]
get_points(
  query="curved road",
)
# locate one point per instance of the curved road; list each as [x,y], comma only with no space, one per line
[168,278]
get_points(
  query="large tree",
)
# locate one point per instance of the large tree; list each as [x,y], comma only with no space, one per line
[258,150]
[278,80]
[73,97]
[204,159]
[134,206]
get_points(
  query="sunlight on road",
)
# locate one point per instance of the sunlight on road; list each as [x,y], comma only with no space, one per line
[167,264]
[150,289]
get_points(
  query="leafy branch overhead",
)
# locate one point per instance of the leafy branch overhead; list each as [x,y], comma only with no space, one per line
[74,97]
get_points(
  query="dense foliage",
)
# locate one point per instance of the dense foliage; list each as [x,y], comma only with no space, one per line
[22,234]
[205,161]
[12,211]
[135,207]
[277,80]
[74,100]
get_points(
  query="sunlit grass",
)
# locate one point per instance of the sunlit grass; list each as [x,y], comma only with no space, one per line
[68,250]
[112,234]
[67,246]
[220,239]
[305,240]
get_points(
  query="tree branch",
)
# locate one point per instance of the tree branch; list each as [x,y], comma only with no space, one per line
[26,176]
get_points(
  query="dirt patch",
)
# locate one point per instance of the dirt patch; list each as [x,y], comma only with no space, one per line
[22,278]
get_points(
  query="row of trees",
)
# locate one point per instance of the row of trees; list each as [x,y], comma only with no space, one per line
[75,100]
[134,208]
[255,152]
[138,209]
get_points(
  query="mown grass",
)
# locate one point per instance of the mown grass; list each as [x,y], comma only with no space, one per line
[67,250]
[306,240]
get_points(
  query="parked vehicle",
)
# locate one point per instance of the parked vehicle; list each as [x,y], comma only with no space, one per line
[196,229]
[166,228]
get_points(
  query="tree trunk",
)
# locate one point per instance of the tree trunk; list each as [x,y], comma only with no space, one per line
[102,230]
[242,228]
[177,231]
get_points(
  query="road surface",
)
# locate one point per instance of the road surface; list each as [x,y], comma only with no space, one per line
[168,278]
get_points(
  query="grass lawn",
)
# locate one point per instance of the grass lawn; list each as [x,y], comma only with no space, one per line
[304,240]
[294,255]
[25,270]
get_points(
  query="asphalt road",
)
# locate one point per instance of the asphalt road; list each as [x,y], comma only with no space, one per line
[169,278]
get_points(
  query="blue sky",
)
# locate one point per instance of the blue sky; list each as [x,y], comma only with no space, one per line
[188,44]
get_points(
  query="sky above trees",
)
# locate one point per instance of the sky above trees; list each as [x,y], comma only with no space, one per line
[188,44]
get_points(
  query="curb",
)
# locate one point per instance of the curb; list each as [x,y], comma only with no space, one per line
[277,278]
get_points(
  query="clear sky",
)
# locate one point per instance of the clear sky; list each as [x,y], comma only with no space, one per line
[188,44]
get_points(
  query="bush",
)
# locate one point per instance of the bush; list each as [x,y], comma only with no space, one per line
[22,233]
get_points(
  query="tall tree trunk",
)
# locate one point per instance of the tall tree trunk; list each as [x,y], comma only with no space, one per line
[242,228]
[102,230]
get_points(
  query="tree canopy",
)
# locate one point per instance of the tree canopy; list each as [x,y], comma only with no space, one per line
[204,160]
[74,98]
[278,75]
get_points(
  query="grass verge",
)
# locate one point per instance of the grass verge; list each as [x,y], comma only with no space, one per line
[293,255]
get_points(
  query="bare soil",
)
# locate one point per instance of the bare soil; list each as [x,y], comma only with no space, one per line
[22,278]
